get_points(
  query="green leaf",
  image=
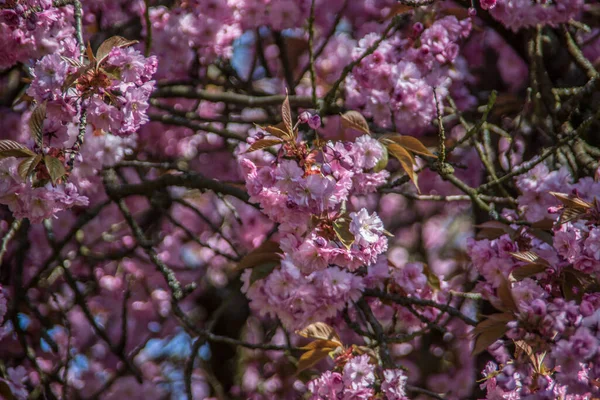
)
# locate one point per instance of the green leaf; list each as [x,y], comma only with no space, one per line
[432,279]
[263,144]
[383,161]
[55,168]
[355,120]
[10,148]
[27,166]
[36,124]
[341,226]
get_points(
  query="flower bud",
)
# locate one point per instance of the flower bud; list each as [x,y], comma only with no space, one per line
[314,122]
[304,117]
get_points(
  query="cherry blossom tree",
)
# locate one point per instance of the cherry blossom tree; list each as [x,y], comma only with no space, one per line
[299,199]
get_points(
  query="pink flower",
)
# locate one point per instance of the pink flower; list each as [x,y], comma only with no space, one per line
[359,373]
[366,228]
[394,384]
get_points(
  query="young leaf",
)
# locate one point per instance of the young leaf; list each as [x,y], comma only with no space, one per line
[262,271]
[10,148]
[267,252]
[286,116]
[321,344]
[529,257]
[263,144]
[571,201]
[109,44]
[493,230]
[526,271]
[312,357]
[412,144]
[505,294]
[571,285]
[490,330]
[55,167]
[320,330]
[383,161]
[36,124]
[72,78]
[432,279]
[407,161]
[398,9]
[90,53]
[27,166]
[71,61]
[341,227]
[274,131]
[355,120]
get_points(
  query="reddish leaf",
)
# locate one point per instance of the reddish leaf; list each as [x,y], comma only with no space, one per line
[355,120]
[90,53]
[407,161]
[286,116]
[71,61]
[572,285]
[321,344]
[27,166]
[36,124]
[267,252]
[490,330]
[275,131]
[398,9]
[571,201]
[55,167]
[505,294]
[111,43]
[411,144]
[321,331]
[312,357]
[10,148]
[263,144]
[529,257]
[493,230]
[526,271]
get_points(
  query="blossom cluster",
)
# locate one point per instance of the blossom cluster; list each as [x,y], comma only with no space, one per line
[358,379]
[32,29]
[518,14]
[321,243]
[393,85]
[548,308]
[115,94]
[35,203]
